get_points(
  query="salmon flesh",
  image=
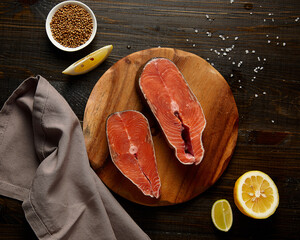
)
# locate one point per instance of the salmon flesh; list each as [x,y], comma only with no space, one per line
[175,107]
[132,151]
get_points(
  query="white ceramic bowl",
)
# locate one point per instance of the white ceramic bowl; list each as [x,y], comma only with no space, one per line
[48,29]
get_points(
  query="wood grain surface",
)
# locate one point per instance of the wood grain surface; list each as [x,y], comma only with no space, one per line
[117,90]
[259,58]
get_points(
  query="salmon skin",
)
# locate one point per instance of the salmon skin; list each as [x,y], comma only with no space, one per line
[132,151]
[175,107]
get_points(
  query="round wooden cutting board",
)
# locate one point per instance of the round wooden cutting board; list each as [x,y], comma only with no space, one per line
[117,90]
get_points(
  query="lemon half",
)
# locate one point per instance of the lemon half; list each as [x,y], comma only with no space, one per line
[256,195]
[89,62]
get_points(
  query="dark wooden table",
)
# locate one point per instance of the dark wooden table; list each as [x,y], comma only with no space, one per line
[255,45]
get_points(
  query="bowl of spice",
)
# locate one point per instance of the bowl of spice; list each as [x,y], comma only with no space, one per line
[71,25]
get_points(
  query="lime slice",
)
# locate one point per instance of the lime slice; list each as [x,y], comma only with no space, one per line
[89,62]
[221,215]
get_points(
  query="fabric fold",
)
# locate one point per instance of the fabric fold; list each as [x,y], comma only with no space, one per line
[49,170]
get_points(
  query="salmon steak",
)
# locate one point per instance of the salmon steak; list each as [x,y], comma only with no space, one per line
[175,107]
[132,151]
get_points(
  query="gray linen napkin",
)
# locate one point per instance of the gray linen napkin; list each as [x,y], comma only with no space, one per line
[43,162]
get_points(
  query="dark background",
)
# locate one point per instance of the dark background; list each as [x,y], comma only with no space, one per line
[254,44]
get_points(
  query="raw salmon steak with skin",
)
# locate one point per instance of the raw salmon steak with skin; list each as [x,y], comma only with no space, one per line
[175,107]
[132,151]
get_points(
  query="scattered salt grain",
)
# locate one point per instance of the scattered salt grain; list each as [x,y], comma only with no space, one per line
[265,59]
[277,43]
[239,80]
[207,59]
[194,45]
[212,64]
[187,40]
[267,35]
[269,41]
[246,51]
[208,34]
[231,75]
[258,59]
[264,93]
[284,44]
[240,63]
[273,20]
[236,38]
[297,19]
[231,1]
[196,31]
[277,37]
[272,121]
[241,87]
[222,37]
[251,13]
[255,95]
[233,63]
[253,51]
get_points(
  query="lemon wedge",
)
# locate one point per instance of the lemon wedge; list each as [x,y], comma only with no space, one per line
[221,215]
[256,195]
[89,62]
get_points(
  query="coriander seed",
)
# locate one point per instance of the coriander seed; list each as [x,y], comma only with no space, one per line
[71,26]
